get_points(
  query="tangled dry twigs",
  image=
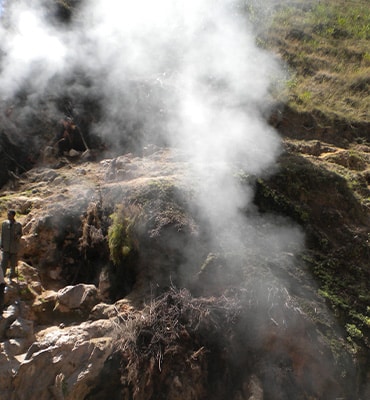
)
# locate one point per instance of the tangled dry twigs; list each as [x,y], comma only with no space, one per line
[174,320]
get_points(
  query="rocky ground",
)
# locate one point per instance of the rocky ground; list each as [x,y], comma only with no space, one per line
[229,326]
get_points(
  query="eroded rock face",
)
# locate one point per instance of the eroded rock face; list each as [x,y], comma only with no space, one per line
[64,363]
[243,346]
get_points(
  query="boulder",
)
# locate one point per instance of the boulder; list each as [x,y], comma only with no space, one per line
[64,363]
[83,297]
[121,309]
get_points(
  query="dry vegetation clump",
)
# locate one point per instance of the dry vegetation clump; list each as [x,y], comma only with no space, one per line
[167,348]
[92,233]
[185,347]
[173,317]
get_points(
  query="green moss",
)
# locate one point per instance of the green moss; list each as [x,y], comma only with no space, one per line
[346,296]
[272,199]
[121,234]
[353,331]
[335,300]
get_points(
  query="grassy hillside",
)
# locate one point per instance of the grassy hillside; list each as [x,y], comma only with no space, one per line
[326,47]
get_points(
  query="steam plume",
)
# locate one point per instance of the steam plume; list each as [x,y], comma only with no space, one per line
[188,72]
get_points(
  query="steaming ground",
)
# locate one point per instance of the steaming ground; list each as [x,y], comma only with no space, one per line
[188,74]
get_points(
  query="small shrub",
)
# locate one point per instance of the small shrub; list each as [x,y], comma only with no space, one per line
[121,236]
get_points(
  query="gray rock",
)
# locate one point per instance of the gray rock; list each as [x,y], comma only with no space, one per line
[81,296]
[65,363]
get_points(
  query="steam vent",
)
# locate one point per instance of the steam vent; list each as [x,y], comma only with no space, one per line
[190,183]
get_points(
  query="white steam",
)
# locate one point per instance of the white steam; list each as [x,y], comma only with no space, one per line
[186,70]
[33,51]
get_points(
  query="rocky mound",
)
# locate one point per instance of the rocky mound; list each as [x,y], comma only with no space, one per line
[108,304]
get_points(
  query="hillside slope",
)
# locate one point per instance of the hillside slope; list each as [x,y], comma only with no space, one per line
[123,267]
[119,267]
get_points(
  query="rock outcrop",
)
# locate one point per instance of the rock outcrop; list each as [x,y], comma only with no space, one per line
[95,310]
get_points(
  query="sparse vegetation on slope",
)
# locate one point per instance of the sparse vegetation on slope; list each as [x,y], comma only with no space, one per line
[326,47]
[323,182]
